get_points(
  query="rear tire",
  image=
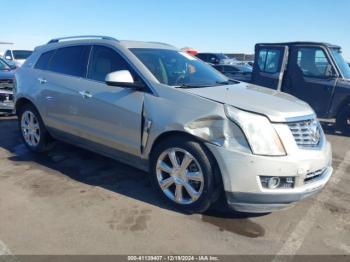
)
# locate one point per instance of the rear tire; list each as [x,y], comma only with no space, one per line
[343,120]
[183,173]
[33,131]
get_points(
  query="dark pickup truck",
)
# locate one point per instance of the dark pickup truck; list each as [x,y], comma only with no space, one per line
[314,72]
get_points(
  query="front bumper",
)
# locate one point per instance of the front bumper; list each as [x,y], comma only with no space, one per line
[268,202]
[7,107]
[241,173]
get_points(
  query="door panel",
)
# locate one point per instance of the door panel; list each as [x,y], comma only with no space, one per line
[269,66]
[111,116]
[61,100]
[60,74]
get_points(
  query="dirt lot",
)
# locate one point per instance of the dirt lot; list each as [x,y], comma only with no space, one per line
[72,201]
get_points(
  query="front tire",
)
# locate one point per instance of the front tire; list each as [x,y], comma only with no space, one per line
[33,131]
[183,174]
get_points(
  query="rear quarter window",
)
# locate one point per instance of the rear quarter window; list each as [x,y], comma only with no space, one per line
[44,60]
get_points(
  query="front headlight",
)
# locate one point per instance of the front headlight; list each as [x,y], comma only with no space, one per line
[260,133]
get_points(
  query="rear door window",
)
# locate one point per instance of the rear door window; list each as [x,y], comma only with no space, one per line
[71,60]
[269,60]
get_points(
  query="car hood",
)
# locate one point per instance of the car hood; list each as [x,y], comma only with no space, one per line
[277,106]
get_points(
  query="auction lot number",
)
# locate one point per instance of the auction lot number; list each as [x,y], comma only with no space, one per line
[173,258]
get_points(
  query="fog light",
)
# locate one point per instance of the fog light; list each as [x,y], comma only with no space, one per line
[274,182]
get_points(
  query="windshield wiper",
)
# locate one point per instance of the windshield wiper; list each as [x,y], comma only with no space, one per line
[228,82]
[192,86]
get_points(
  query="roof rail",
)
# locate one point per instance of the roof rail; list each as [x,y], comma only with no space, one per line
[160,43]
[56,40]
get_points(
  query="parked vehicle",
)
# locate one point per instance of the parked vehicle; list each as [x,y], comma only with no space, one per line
[190,50]
[17,56]
[164,111]
[240,72]
[6,87]
[314,72]
[216,58]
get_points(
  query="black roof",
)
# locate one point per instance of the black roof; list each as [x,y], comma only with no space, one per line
[302,43]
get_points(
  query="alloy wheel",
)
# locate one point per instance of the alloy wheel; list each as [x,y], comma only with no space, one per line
[30,128]
[180,176]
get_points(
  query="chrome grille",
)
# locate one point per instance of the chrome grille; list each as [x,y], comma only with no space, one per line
[307,133]
[6,84]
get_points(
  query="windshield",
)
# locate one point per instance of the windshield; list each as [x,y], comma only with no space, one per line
[175,68]
[21,54]
[3,65]
[343,66]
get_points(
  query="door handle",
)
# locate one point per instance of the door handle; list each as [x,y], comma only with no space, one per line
[85,94]
[42,80]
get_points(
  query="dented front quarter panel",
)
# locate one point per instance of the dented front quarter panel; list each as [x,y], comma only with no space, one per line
[180,111]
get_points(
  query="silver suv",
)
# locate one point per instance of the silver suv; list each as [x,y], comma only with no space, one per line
[154,107]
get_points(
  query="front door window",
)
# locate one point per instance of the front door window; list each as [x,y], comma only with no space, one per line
[313,62]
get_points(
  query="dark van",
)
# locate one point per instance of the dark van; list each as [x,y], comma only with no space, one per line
[314,72]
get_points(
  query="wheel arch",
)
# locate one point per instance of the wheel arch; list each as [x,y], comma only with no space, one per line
[169,134]
[20,102]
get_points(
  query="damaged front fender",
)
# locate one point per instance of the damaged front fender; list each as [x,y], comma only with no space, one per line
[219,131]
[174,111]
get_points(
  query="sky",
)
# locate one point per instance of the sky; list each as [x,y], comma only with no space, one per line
[231,26]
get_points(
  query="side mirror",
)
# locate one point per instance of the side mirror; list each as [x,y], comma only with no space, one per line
[8,57]
[122,78]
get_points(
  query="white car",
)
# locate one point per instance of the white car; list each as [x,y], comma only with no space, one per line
[17,56]
[198,133]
